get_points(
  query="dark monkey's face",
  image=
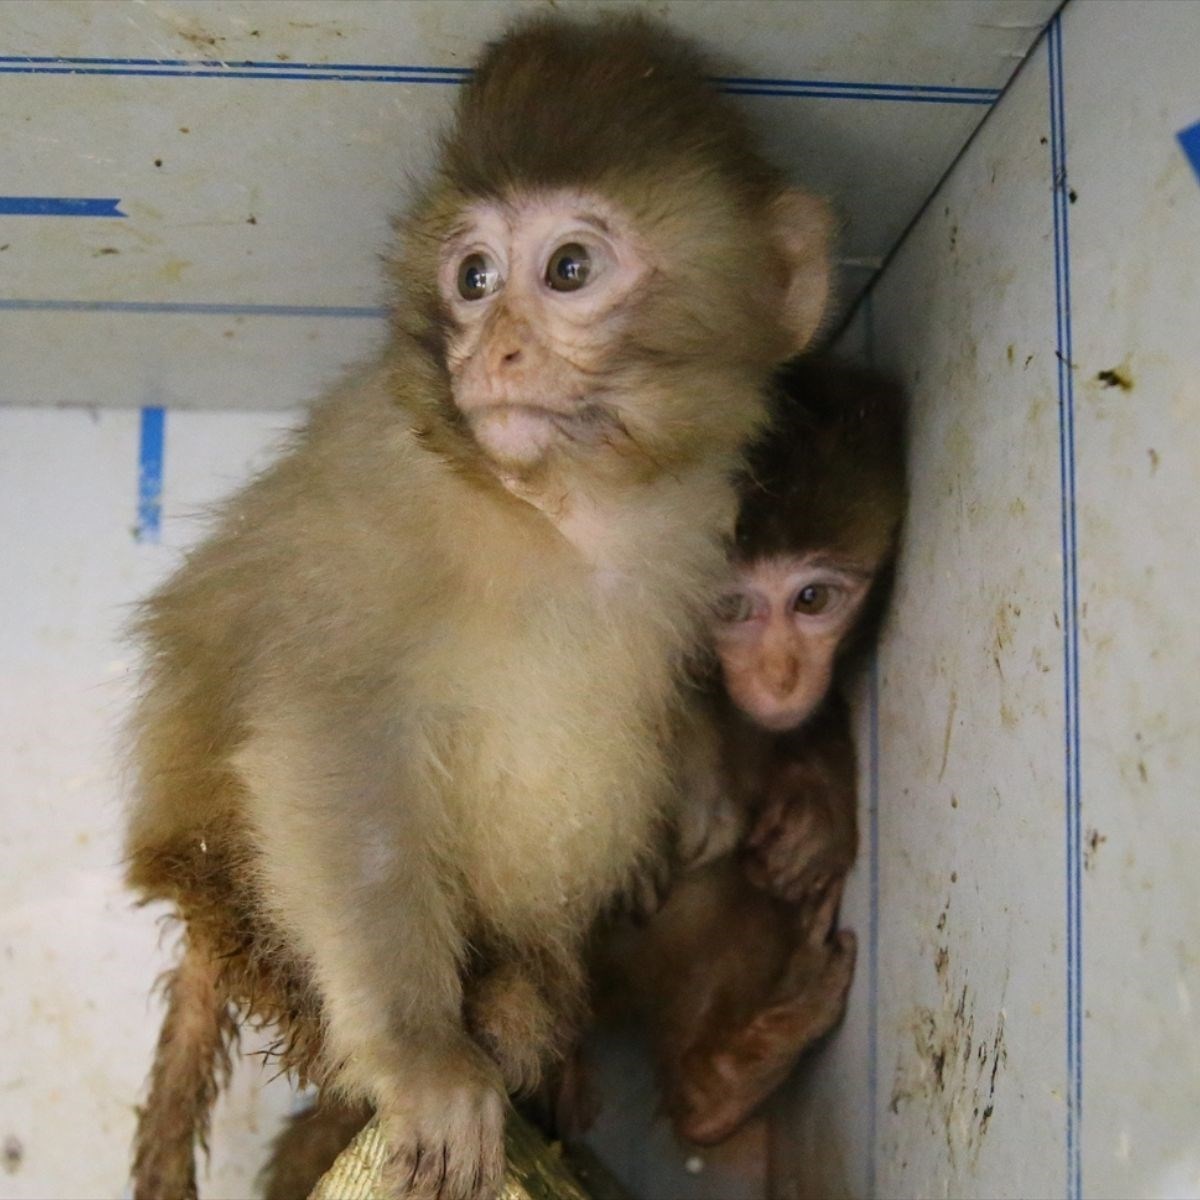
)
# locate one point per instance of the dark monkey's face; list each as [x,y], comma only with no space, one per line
[778,631]
[822,501]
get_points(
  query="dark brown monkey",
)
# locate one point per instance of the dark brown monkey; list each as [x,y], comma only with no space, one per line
[742,969]
[821,506]
[409,711]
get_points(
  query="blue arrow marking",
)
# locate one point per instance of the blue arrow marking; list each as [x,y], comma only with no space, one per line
[1189,139]
[58,206]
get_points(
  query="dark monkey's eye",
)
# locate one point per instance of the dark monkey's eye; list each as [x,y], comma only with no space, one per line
[813,598]
[477,277]
[569,268]
[734,607]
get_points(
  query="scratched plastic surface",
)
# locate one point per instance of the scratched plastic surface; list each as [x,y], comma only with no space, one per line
[1024,1021]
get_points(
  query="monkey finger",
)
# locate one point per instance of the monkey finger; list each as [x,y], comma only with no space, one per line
[825,914]
[648,892]
[767,825]
[840,973]
[790,861]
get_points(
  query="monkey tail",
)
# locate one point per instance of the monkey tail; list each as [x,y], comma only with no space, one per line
[191,1063]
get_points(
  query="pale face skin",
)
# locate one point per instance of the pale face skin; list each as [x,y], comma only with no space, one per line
[538,289]
[778,630]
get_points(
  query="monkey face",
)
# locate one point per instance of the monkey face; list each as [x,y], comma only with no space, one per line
[539,291]
[778,630]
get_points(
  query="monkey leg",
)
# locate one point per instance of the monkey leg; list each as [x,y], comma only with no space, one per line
[361,896]
[308,1145]
[566,1103]
[190,1064]
[526,1013]
[721,1081]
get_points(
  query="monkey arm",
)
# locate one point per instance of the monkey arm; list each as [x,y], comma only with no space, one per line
[806,832]
[710,821]
[351,880]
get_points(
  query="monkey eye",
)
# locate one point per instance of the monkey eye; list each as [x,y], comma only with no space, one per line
[814,598]
[569,268]
[734,607]
[477,277]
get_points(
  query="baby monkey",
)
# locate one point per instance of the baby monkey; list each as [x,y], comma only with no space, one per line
[742,969]
[407,718]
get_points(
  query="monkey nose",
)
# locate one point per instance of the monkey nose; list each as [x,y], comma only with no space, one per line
[783,675]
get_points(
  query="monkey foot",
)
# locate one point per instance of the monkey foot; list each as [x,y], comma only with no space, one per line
[450,1148]
[720,1086]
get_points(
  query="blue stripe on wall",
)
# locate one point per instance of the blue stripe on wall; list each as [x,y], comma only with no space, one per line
[19,64]
[167,308]
[150,474]
[1070,601]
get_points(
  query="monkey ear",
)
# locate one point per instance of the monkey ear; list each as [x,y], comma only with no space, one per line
[804,227]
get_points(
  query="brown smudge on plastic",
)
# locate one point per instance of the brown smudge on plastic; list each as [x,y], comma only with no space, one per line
[13,1155]
[949,733]
[1092,842]
[949,1072]
[1118,377]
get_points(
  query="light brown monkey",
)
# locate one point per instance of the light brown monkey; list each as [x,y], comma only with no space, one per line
[408,717]
[742,969]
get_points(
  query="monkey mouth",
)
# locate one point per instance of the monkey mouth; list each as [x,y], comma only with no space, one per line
[547,410]
[580,419]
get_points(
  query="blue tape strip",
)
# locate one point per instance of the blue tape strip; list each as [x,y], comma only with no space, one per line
[58,206]
[1189,140]
[150,474]
[21,64]
[1073,799]
[196,309]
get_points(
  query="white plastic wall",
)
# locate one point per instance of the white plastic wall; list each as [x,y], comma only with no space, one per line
[1025,1017]
[77,1024]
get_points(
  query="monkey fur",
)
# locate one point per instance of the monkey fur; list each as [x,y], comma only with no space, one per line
[409,713]
[742,968]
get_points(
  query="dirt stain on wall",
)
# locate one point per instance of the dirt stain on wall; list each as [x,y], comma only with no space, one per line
[949,1069]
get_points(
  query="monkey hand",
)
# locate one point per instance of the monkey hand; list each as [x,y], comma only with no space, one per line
[646,889]
[445,1130]
[709,827]
[795,849]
